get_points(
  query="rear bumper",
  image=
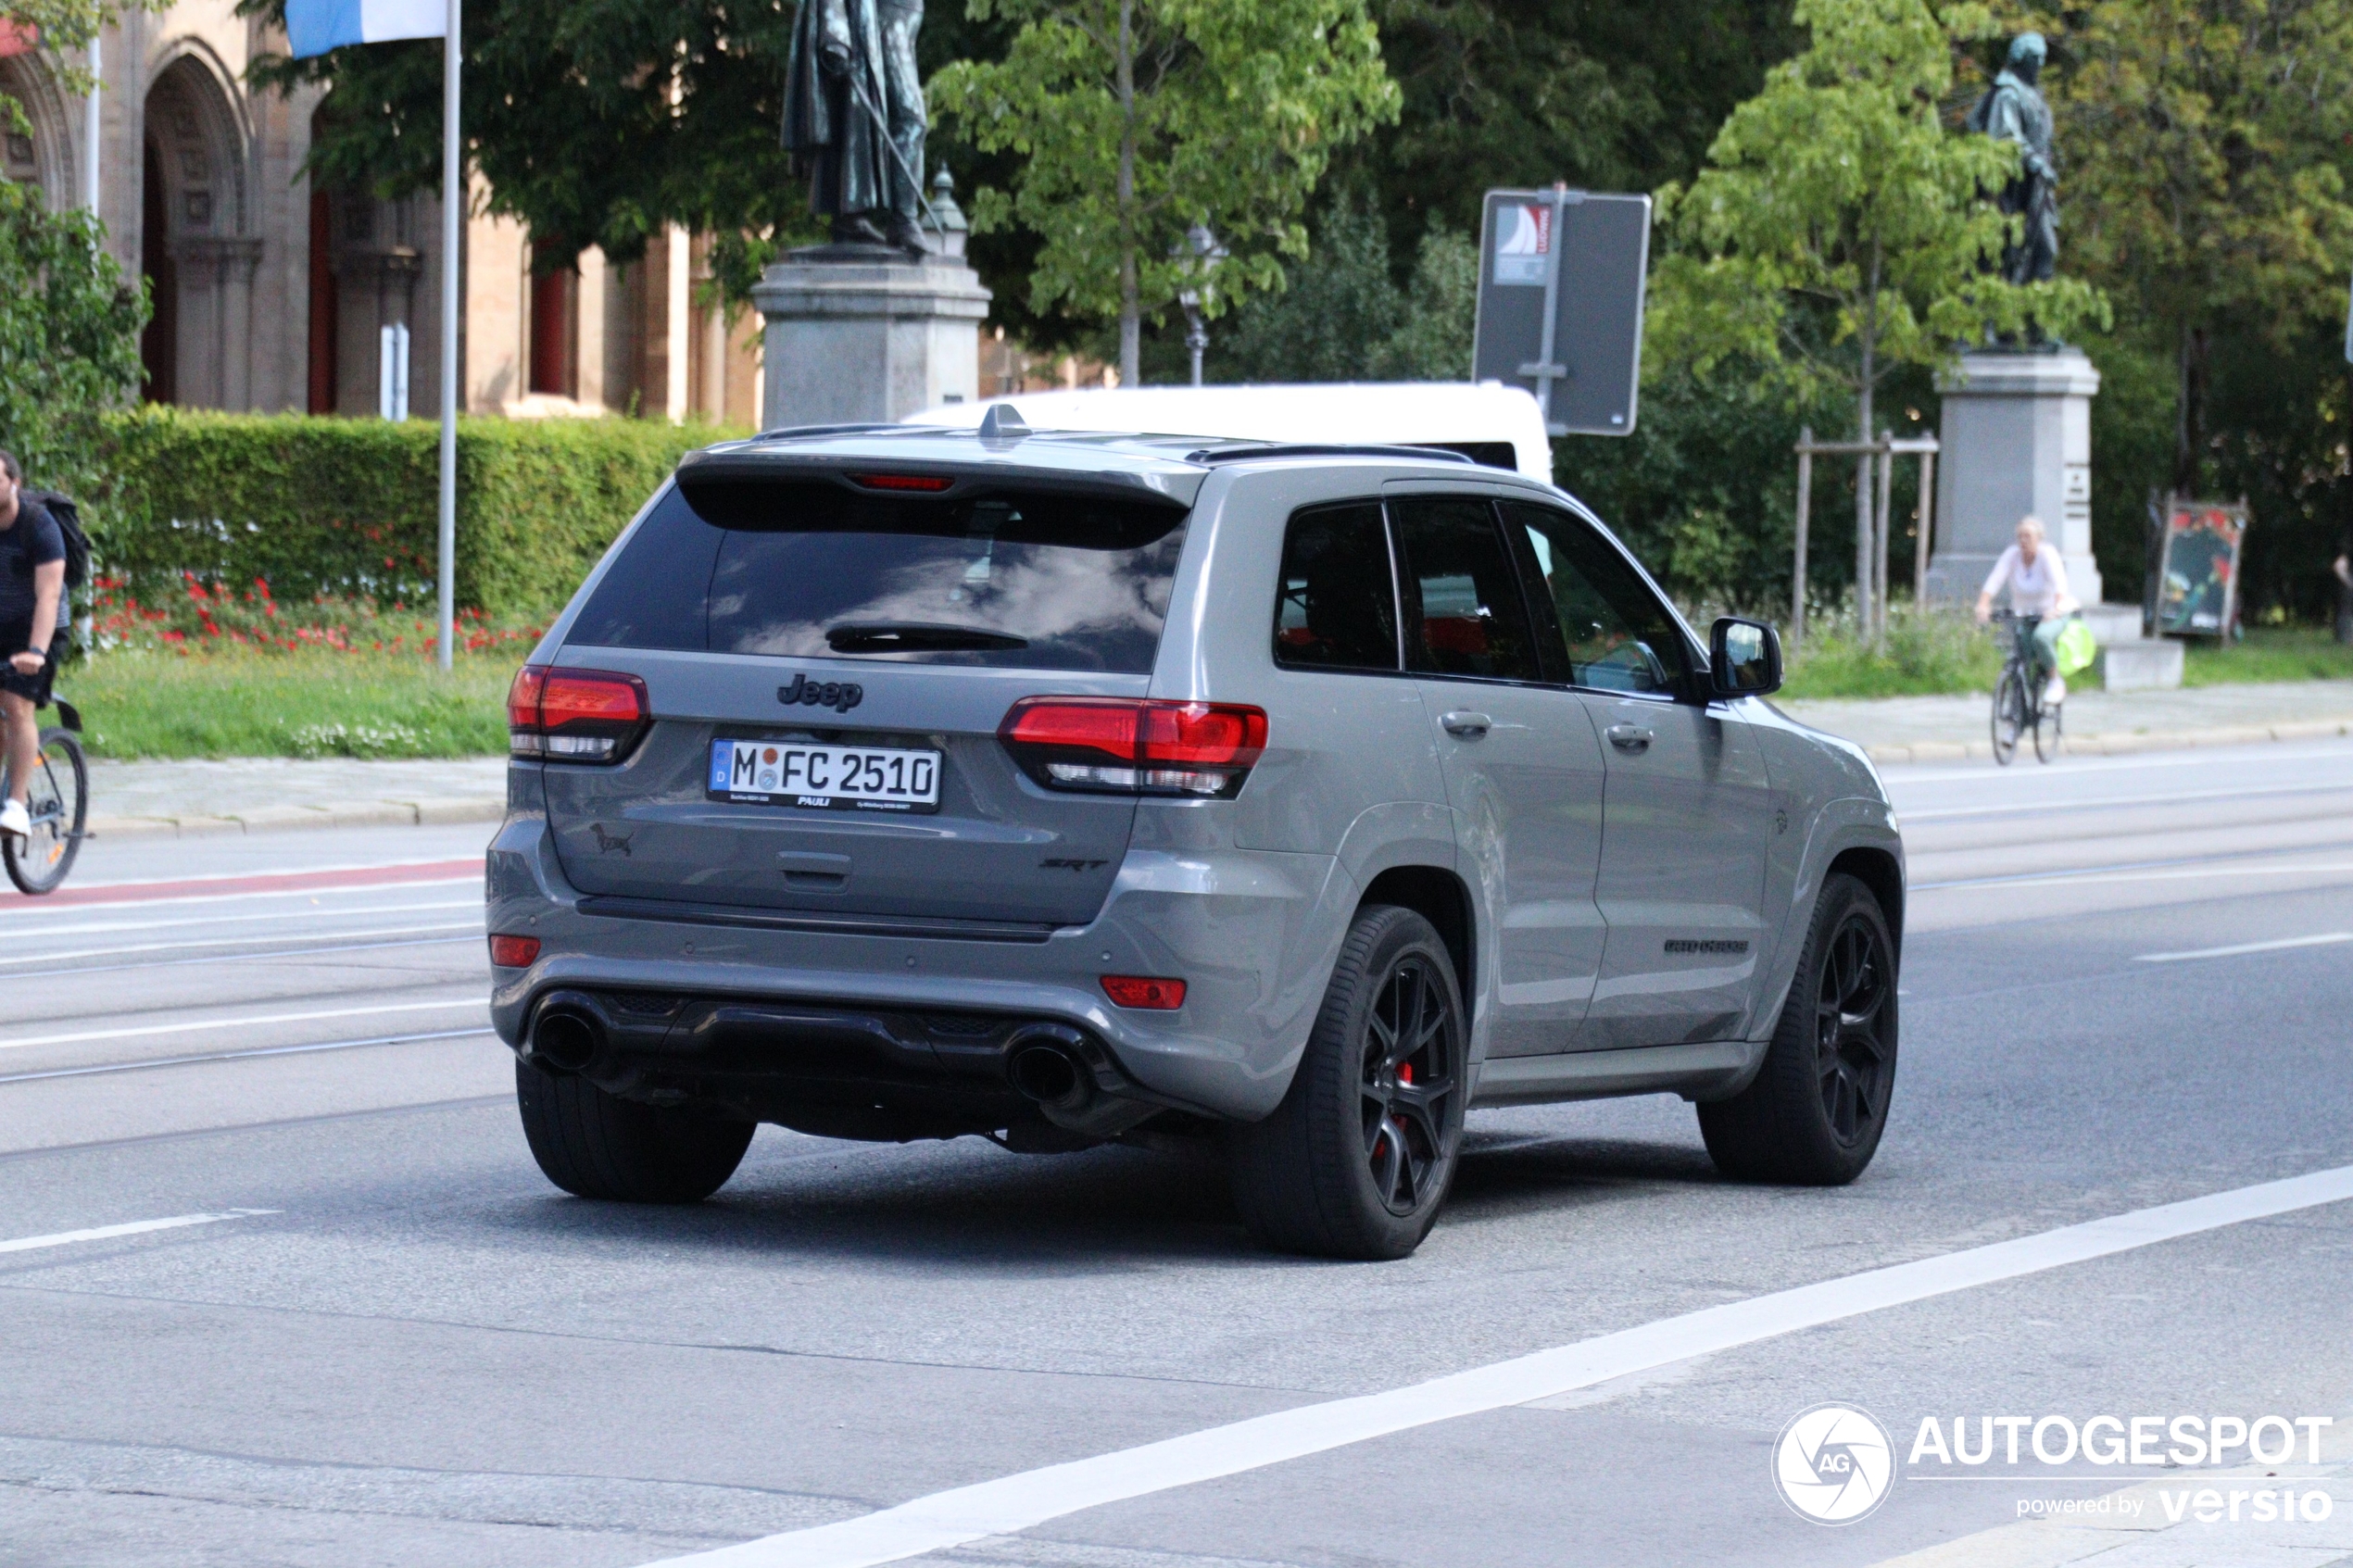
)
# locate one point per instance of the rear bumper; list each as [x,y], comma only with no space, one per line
[803,1006]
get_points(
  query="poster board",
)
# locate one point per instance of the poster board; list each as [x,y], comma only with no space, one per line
[1561,277]
[2197,575]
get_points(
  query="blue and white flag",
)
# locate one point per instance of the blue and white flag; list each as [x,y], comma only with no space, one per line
[316,25]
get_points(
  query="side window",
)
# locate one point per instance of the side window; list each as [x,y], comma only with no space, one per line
[1336,607]
[1611,629]
[1463,613]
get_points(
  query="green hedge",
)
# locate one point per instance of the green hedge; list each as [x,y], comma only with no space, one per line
[349,507]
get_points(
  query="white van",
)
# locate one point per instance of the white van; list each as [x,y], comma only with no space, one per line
[1486,422]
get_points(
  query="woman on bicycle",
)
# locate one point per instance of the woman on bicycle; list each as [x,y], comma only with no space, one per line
[2036,579]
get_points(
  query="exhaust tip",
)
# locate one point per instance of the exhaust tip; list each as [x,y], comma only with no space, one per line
[1047,1075]
[565,1040]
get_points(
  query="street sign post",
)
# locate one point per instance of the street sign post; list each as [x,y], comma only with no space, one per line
[1560,304]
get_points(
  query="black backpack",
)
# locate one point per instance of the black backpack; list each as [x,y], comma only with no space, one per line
[68,517]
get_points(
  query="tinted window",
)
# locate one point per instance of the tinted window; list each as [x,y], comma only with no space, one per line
[657,594]
[1030,580]
[1337,605]
[1609,630]
[1464,614]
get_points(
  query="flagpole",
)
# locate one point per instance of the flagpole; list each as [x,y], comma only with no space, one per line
[453,206]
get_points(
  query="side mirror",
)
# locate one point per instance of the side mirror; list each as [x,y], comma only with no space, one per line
[1744,658]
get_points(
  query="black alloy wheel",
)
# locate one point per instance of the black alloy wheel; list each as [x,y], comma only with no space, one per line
[1409,1077]
[1854,1064]
[1357,1159]
[1814,1114]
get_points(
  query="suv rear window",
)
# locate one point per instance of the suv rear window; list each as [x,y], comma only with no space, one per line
[1028,579]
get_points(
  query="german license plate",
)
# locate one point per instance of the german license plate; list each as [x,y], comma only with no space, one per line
[845,778]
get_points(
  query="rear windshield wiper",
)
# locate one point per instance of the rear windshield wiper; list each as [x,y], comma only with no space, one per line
[917,636]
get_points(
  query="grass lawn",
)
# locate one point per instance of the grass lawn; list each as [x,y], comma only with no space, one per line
[1927,654]
[2270,653]
[313,703]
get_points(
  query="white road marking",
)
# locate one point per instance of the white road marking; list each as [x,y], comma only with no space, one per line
[49,957]
[473,999]
[2092,874]
[283,870]
[271,955]
[241,1055]
[1014,1504]
[2273,753]
[312,893]
[2015,808]
[136,1227]
[2325,939]
[208,918]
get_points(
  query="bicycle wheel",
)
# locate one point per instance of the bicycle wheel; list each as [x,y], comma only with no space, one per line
[2010,714]
[2046,732]
[58,804]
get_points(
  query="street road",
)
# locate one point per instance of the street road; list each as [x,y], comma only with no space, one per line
[375,1335]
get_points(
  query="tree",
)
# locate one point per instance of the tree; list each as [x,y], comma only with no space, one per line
[1137,120]
[2208,182]
[597,122]
[1342,317]
[1607,97]
[68,338]
[1840,230]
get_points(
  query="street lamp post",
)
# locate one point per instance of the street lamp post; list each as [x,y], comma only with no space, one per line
[1201,253]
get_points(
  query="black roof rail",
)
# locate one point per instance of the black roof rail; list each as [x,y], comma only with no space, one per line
[1242,451]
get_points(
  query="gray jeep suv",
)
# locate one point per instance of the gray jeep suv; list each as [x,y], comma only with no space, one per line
[893,783]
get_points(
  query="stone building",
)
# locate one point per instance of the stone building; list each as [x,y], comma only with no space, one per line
[273,295]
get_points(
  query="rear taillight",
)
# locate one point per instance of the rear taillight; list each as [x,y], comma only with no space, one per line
[514,952]
[574,715]
[1133,746]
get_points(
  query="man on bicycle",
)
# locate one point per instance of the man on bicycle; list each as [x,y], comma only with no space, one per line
[2036,578]
[32,582]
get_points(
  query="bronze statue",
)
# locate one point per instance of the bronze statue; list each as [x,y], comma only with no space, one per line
[2013,111]
[854,118]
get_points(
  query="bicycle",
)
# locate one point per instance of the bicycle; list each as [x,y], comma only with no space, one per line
[58,804]
[2018,697]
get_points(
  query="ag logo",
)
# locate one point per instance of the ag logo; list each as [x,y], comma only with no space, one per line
[1834,1464]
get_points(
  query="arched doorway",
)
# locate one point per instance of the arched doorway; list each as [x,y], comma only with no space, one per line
[160,343]
[196,246]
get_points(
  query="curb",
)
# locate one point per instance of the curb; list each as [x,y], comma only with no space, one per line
[271,818]
[2123,743]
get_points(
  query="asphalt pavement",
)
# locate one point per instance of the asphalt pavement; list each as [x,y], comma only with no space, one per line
[280,1284]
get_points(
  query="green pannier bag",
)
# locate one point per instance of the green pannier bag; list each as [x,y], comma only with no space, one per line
[2075,647]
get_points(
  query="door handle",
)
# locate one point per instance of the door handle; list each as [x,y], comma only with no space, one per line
[1630,738]
[1468,726]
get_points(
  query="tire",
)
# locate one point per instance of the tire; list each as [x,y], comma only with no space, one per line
[2010,714]
[2046,733]
[59,804]
[1356,1161]
[596,1145]
[1814,1114]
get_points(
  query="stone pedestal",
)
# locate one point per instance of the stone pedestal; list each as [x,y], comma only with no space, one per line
[858,333]
[2017,440]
